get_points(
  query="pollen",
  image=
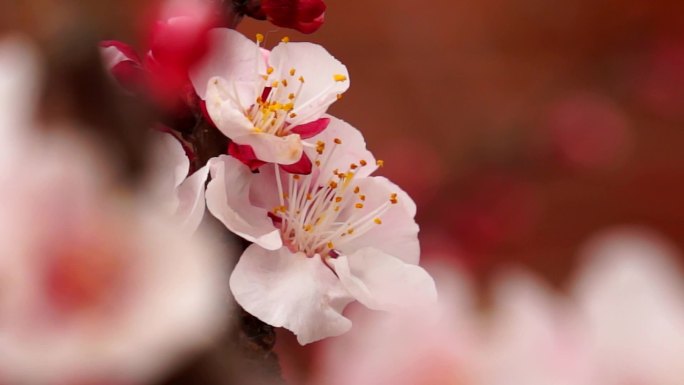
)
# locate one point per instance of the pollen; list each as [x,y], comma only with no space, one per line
[301,79]
[362,197]
[377,221]
[339,77]
[290,96]
[259,38]
[320,147]
[285,39]
[284,82]
[353,166]
[333,184]
[308,227]
[350,231]
[308,197]
[357,189]
[274,84]
[330,245]
[295,177]
[363,162]
[318,163]
[269,70]
[338,199]
[339,96]
[292,72]
[380,162]
[337,141]
[293,115]
[393,198]
[359,205]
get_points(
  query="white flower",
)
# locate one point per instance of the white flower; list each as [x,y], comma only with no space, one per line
[269,101]
[321,240]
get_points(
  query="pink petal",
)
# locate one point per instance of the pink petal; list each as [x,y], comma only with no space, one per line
[398,233]
[291,291]
[273,149]
[228,200]
[352,148]
[310,129]
[318,68]
[383,282]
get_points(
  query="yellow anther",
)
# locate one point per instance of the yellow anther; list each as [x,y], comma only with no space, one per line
[330,245]
[288,107]
[393,198]
[308,227]
[259,38]
[339,96]
[286,195]
[350,231]
[377,221]
[257,130]
[293,115]
[380,162]
[337,208]
[264,77]
[308,197]
[301,79]
[339,77]
[338,199]
[363,162]
[362,197]
[295,177]
[357,189]
[292,72]
[333,184]
[285,39]
[290,96]
[353,166]
[284,82]
[317,162]
[320,146]
[269,70]
[274,84]
[359,205]
[337,141]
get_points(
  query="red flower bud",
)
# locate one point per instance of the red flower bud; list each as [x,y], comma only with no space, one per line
[303,15]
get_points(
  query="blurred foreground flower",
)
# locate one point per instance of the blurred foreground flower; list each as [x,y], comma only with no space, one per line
[621,325]
[96,284]
[268,101]
[322,240]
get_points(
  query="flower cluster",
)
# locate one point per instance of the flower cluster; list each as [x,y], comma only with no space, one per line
[296,182]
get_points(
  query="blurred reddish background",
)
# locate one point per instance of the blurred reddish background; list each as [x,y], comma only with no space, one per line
[520,127]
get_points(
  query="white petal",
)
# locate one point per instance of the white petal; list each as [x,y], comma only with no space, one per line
[233,57]
[383,282]
[351,150]
[228,200]
[225,110]
[273,149]
[318,68]
[291,291]
[398,233]
[191,199]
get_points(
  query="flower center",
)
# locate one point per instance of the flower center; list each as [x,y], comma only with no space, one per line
[278,103]
[320,213]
